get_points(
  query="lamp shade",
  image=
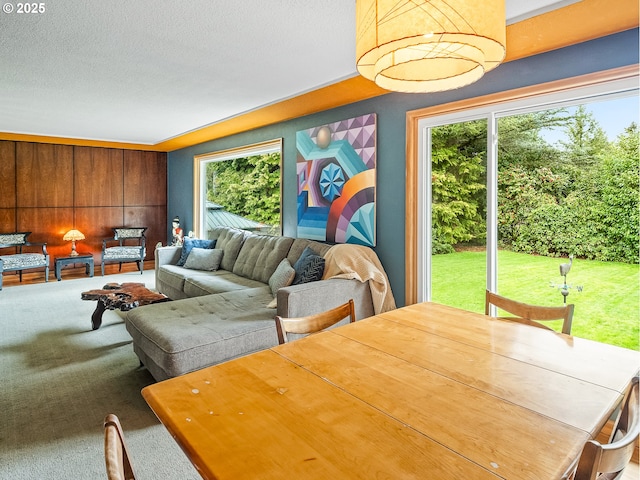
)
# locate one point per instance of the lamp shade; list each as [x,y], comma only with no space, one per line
[73,235]
[419,46]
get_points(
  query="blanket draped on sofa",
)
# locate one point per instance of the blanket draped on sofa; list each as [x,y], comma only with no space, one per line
[340,262]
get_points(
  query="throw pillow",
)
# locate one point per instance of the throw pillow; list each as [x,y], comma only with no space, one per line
[190,243]
[305,253]
[308,269]
[204,259]
[282,276]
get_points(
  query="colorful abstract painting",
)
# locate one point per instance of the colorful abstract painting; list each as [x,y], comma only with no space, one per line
[337,181]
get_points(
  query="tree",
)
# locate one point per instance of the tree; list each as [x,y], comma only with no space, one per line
[249,186]
[524,194]
[587,141]
[616,207]
[592,213]
[521,142]
[458,183]
[628,142]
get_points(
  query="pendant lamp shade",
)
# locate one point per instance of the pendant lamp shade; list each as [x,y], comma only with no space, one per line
[419,46]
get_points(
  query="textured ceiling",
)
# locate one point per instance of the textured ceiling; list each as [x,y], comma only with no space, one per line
[145,71]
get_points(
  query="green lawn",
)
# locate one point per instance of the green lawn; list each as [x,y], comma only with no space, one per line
[607,309]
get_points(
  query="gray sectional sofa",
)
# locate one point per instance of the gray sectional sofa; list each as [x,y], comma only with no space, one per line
[229,312]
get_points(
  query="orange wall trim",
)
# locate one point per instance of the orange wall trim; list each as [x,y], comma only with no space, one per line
[342,93]
[80,142]
[576,23]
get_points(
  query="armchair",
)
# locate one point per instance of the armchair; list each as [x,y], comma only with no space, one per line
[19,258]
[127,245]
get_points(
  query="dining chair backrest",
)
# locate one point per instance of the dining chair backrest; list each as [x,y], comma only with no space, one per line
[115,451]
[530,314]
[314,323]
[608,461]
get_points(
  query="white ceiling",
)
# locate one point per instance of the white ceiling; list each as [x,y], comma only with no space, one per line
[145,71]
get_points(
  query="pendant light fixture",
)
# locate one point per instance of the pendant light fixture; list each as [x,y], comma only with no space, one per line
[420,46]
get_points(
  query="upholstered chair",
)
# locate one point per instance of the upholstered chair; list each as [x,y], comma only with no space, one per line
[127,245]
[18,254]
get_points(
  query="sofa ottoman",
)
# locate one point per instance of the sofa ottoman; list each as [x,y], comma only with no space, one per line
[212,327]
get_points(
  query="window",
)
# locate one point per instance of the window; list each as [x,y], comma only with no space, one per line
[239,188]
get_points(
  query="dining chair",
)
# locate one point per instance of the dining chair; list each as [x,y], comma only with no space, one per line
[530,314]
[314,323]
[115,451]
[608,461]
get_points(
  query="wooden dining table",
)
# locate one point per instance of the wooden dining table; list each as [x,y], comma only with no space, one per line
[423,391]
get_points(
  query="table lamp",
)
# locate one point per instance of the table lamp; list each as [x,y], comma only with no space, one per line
[73,235]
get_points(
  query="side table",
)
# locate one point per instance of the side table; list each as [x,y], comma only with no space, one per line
[86,259]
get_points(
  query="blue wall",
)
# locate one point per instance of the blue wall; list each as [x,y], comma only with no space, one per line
[597,55]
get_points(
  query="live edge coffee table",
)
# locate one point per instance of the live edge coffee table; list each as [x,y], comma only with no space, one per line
[125,297]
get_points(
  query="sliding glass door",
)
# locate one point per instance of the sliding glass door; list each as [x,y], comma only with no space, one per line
[532,199]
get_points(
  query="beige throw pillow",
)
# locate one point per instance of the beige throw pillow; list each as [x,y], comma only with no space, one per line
[282,276]
[204,259]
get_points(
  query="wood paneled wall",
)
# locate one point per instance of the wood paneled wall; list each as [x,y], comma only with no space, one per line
[49,189]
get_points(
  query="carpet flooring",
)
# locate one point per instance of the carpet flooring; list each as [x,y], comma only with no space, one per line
[59,379]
